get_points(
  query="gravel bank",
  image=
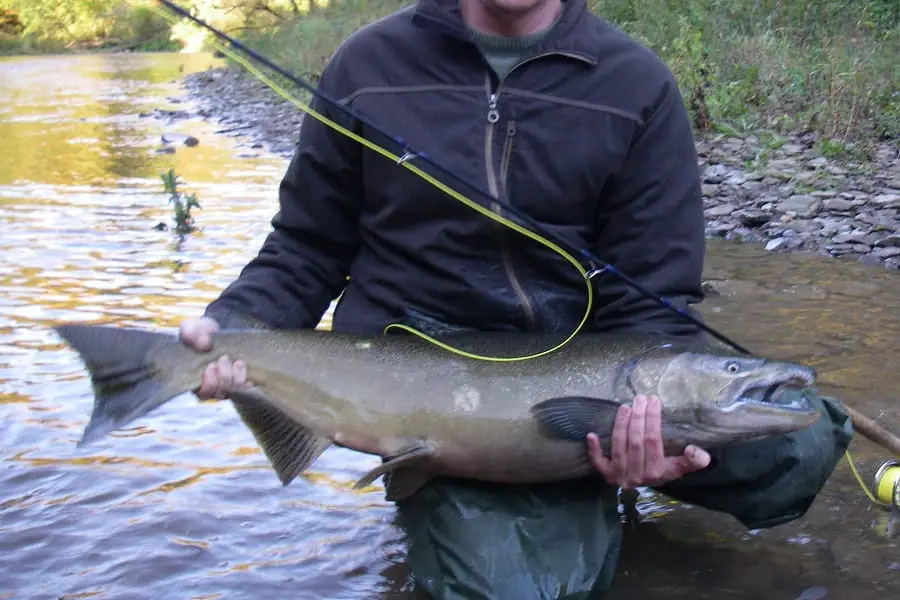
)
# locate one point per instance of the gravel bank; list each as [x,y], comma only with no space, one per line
[785,195]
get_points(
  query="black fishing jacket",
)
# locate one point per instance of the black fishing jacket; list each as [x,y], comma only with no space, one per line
[587,134]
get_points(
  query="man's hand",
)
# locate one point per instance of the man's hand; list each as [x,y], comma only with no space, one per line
[637,450]
[220,375]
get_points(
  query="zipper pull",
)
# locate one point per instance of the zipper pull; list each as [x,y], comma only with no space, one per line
[493,116]
[511,128]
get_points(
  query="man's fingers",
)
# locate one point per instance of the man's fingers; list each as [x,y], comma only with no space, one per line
[599,460]
[636,429]
[209,381]
[196,333]
[653,448]
[619,449]
[226,375]
[239,368]
[693,459]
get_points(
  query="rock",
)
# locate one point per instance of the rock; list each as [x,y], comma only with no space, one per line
[886,252]
[749,236]
[816,592]
[838,204]
[736,179]
[709,190]
[722,210]
[715,174]
[869,260]
[174,138]
[754,218]
[775,244]
[801,205]
[794,242]
[854,237]
[818,163]
[840,249]
[803,226]
[709,289]
[891,241]
[792,149]
[886,200]
[718,229]
[882,221]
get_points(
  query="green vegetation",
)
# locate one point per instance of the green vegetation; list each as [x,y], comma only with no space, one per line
[823,65]
[63,25]
[29,26]
[181,203]
[828,66]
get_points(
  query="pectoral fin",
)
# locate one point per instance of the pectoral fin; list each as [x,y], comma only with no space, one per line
[573,417]
[290,447]
[405,469]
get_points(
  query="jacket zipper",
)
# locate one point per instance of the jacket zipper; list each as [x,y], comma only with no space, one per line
[497,184]
[505,249]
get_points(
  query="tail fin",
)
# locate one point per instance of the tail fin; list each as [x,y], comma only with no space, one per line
[127,385]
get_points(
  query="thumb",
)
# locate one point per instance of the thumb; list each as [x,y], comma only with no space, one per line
[195,332]
[693,459]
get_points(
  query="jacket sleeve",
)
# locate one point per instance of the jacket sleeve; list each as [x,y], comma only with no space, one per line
[651,225]
[304,261]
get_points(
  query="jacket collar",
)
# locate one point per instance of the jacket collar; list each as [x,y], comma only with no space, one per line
[572,34]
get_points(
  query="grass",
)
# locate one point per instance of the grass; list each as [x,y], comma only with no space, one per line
[823,66]
[305,44]
[828,67]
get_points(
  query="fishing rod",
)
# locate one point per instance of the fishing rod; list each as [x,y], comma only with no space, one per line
[596,266]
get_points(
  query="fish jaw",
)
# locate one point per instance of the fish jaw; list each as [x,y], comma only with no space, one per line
[778,408]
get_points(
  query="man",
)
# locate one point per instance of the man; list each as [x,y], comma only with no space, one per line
[552,110]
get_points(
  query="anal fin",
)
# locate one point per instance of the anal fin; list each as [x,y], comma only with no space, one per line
[573,417]
[404,482]
[406,474]
[290,447]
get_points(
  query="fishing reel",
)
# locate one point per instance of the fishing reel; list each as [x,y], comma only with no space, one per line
[887,484]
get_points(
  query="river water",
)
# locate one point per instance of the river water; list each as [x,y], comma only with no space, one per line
[184,505]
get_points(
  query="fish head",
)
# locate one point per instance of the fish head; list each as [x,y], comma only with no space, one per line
[727,396]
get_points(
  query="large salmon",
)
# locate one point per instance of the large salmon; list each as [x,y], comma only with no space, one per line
[429,412]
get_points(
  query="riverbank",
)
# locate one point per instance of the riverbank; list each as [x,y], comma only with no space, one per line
[792,193]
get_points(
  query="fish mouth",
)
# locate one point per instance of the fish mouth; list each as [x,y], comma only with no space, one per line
[780,394]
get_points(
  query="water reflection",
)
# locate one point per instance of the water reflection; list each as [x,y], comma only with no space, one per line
[189,487]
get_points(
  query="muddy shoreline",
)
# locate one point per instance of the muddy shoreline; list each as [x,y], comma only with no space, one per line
[782,193]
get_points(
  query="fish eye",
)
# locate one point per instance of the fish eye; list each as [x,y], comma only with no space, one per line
[732,367]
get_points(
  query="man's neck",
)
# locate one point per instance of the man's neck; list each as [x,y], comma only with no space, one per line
[510,23]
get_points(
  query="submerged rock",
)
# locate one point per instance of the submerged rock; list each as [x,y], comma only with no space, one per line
[176,138]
